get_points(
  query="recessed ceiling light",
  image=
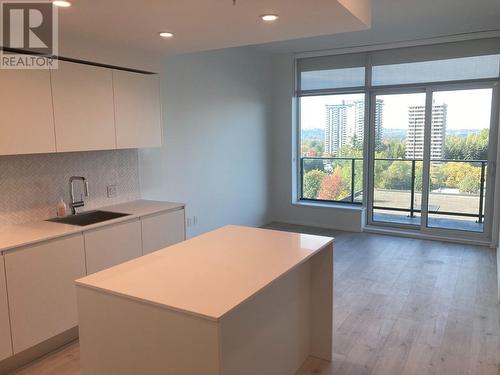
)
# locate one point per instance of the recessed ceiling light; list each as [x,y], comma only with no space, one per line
[166,34]
[269,17]
[61,3]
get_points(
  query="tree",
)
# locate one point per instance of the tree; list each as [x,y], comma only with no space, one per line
[391,149]
[472,147]
[397,176]
[333,187]
[312,148]
[470,184]
[312,183]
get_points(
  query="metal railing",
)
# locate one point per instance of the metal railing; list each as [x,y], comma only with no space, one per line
[351,198]
[412,210]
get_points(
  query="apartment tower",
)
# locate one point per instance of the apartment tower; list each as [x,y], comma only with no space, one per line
[416,131]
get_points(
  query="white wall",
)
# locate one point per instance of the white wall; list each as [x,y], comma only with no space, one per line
[496,211]
[77,47]
[216,109]
[283,156]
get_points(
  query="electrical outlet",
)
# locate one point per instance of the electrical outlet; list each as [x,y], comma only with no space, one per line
[111,191]
[188,222]
[195,220]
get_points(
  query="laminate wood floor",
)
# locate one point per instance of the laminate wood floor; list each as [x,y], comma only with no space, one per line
[402,307]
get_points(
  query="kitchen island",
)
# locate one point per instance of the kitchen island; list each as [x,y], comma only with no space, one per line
[234,301]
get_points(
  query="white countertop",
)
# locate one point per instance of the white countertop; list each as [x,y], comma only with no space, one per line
[211,274]
[13,236]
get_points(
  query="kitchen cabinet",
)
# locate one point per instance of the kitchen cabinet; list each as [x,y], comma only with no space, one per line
[27,125]
[78,107]
[5,338]
[112,245]
[41,290]
[83,107]
[162,230]
[137,109]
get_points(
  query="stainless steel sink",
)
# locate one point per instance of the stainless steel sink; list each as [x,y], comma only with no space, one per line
[88,218]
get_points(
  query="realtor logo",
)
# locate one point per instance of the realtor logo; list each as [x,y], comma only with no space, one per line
[28,35]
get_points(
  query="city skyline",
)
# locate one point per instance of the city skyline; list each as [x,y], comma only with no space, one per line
[312,108]
[344,126]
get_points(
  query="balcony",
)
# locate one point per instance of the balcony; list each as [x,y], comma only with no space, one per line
[455,201]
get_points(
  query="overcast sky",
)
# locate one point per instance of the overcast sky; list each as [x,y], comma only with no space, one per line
[467,109]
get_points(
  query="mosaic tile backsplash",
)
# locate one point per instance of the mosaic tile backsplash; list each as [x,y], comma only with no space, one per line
[31,185]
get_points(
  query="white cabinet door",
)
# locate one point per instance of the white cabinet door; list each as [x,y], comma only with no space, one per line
[27,125]
[83,107]
[106,247]
[162,230]
[41,290]
[5,338]
[137,110]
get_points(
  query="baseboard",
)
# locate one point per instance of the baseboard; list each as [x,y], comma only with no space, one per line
[421,236]
[38,351]
[314,225]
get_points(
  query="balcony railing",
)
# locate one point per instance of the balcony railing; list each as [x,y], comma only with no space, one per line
[347,185]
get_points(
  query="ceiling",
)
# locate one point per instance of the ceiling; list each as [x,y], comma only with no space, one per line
[206,24]
[406,20]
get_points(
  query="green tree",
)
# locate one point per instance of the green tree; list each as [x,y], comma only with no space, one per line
[312,183]
[470,184]
[312,148]
[472,147]
[397,176]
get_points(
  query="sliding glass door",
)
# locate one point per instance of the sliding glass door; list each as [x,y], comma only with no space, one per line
[429,152]
[397,133]
[459,159]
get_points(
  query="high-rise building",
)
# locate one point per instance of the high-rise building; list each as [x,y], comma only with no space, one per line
[336,126]
[379,123]
[416,131]
[345,123]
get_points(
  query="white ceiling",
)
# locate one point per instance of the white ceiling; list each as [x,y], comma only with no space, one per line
[206,24]
[406,20]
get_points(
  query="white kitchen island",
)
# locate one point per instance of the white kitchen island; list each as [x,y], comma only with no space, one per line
[235,301]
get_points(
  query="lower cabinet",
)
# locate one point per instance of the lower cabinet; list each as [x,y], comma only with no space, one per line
[37,292]
[162,230]
[106,247]
[41,289]
[5,338]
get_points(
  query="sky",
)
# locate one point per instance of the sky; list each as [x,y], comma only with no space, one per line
[467,109]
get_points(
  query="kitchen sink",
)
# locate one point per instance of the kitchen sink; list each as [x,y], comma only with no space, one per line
[88,218]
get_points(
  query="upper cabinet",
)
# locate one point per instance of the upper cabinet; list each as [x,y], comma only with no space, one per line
[83,107]
[78,107]
[27,125]
[137,109]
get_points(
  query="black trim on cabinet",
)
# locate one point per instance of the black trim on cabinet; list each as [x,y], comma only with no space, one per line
[76,61]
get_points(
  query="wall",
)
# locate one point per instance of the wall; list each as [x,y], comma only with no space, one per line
[216,108]
[496,210]
[78,47]
[284,156]
[30,185]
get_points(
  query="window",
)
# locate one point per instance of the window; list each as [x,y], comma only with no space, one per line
[331,143]
[325,79]
[332,125]
[430,109]
[466,68]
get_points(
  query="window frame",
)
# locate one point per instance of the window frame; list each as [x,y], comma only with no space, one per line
[368,90]
[300,180]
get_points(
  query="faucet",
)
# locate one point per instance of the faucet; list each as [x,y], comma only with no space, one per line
[75,204]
